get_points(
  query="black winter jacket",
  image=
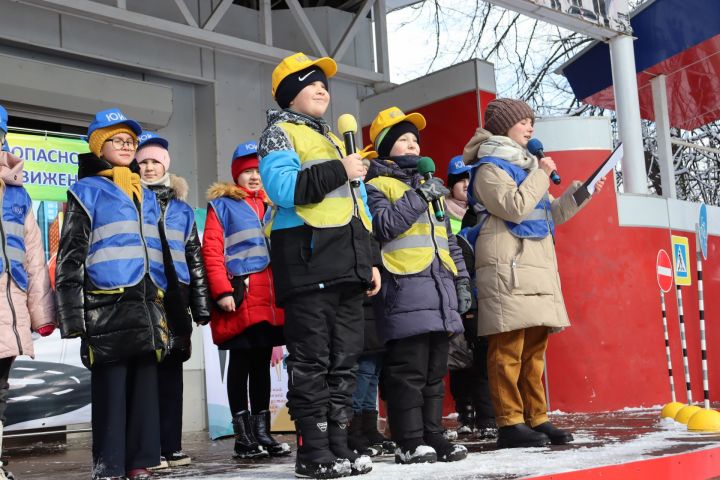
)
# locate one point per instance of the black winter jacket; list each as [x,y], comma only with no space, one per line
[183,303]
[114,326]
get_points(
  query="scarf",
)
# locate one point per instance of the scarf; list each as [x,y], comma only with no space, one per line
[125,179]
[456,208]
[508,150]
[163,181]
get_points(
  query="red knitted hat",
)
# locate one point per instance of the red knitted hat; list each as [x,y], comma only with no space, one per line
[240,164]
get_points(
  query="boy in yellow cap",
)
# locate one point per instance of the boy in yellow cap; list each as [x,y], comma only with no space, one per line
[322,256]
[425,287]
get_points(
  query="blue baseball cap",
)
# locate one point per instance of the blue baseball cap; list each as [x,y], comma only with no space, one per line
[3,119]
[457,166]
[147,138]
[112,116]
[245,149]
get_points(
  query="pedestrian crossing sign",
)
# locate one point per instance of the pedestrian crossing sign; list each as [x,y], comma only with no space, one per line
[681,261]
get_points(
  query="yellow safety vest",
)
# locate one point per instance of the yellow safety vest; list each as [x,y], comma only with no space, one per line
[338,206]
[414,250]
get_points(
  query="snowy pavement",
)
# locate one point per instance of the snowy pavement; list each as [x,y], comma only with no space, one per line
[600,439]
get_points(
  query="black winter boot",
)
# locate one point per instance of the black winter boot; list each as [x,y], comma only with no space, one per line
[246,445]
[520,435]
[557,436]
[433,432]
[377,440]
[414,450]
[357,440]
[338,436]
[445,451]
[314,458]
[261,430]
[466,418]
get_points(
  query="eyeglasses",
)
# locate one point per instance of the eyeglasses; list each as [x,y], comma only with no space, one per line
[119,143]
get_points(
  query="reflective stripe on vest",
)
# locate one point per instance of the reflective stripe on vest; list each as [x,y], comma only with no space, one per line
[338,206]
[246,249]
[16,204]
[179,220]
[124,246]
[538,223]
[415,249]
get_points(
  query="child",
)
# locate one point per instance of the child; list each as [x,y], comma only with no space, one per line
[424,286]
[468,353]
[24,283]
[187,292]
[322,259]
[110,283]
[518,285]
[363,435]
[246,320]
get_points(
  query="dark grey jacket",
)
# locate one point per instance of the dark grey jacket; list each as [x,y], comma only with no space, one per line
[409,305]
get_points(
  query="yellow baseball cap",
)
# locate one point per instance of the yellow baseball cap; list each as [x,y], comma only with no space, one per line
[300,61]
[392,116]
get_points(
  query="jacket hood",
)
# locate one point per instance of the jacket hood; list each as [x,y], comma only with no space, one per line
[90,165]
[225,189]
[385,167]
[287,115]
[11,169]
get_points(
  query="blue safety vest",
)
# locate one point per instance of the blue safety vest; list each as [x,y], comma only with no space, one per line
[536,225]
[246,248]
[179,220]
[123,246]
[16,204]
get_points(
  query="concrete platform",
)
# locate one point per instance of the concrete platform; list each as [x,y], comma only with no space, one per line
[626,444]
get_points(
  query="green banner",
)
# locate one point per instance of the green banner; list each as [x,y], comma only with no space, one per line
[50,163]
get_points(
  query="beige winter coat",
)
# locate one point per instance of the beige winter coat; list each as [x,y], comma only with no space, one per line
[517,279]
[36,307]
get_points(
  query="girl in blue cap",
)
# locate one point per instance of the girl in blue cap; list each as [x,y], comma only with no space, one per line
[187,296]
[245,321]
[110,284]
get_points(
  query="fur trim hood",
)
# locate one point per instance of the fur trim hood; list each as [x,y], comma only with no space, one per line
[227,189]
[179,186]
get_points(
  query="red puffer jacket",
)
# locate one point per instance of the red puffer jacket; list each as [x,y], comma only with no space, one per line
[259,302]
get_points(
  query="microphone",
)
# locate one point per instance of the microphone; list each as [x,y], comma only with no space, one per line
[347,126]
[535,147]
[426,168]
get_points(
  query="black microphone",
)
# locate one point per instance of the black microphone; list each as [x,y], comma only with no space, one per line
[347,126]
[426,168]
[535,147]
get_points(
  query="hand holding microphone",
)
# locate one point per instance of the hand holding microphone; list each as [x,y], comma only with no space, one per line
[547,164]
[433,189]
[347,126]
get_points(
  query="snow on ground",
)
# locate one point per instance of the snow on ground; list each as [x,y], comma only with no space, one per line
[588,451]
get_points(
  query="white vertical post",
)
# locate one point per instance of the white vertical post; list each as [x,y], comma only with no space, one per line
[627,106]
[266,35]
[662,135]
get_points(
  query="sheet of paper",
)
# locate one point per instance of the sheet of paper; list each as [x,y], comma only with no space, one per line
[609,164]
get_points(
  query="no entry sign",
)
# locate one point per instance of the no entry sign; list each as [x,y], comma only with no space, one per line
[663,267]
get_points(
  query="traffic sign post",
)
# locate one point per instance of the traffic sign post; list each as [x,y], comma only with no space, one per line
[663,269]
[702,250]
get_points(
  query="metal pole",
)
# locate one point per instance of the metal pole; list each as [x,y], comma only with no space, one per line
[662,135]
[684,345]
[667,346]
[703,344]
[627,106]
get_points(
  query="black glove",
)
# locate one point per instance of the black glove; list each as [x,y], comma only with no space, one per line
[464,294]
[431,190]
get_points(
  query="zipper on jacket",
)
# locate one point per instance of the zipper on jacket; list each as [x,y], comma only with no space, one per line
[435,279]
[9,280]
[144,282]
[356,207]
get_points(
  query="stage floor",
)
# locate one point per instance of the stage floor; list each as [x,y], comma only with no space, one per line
[663,447]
